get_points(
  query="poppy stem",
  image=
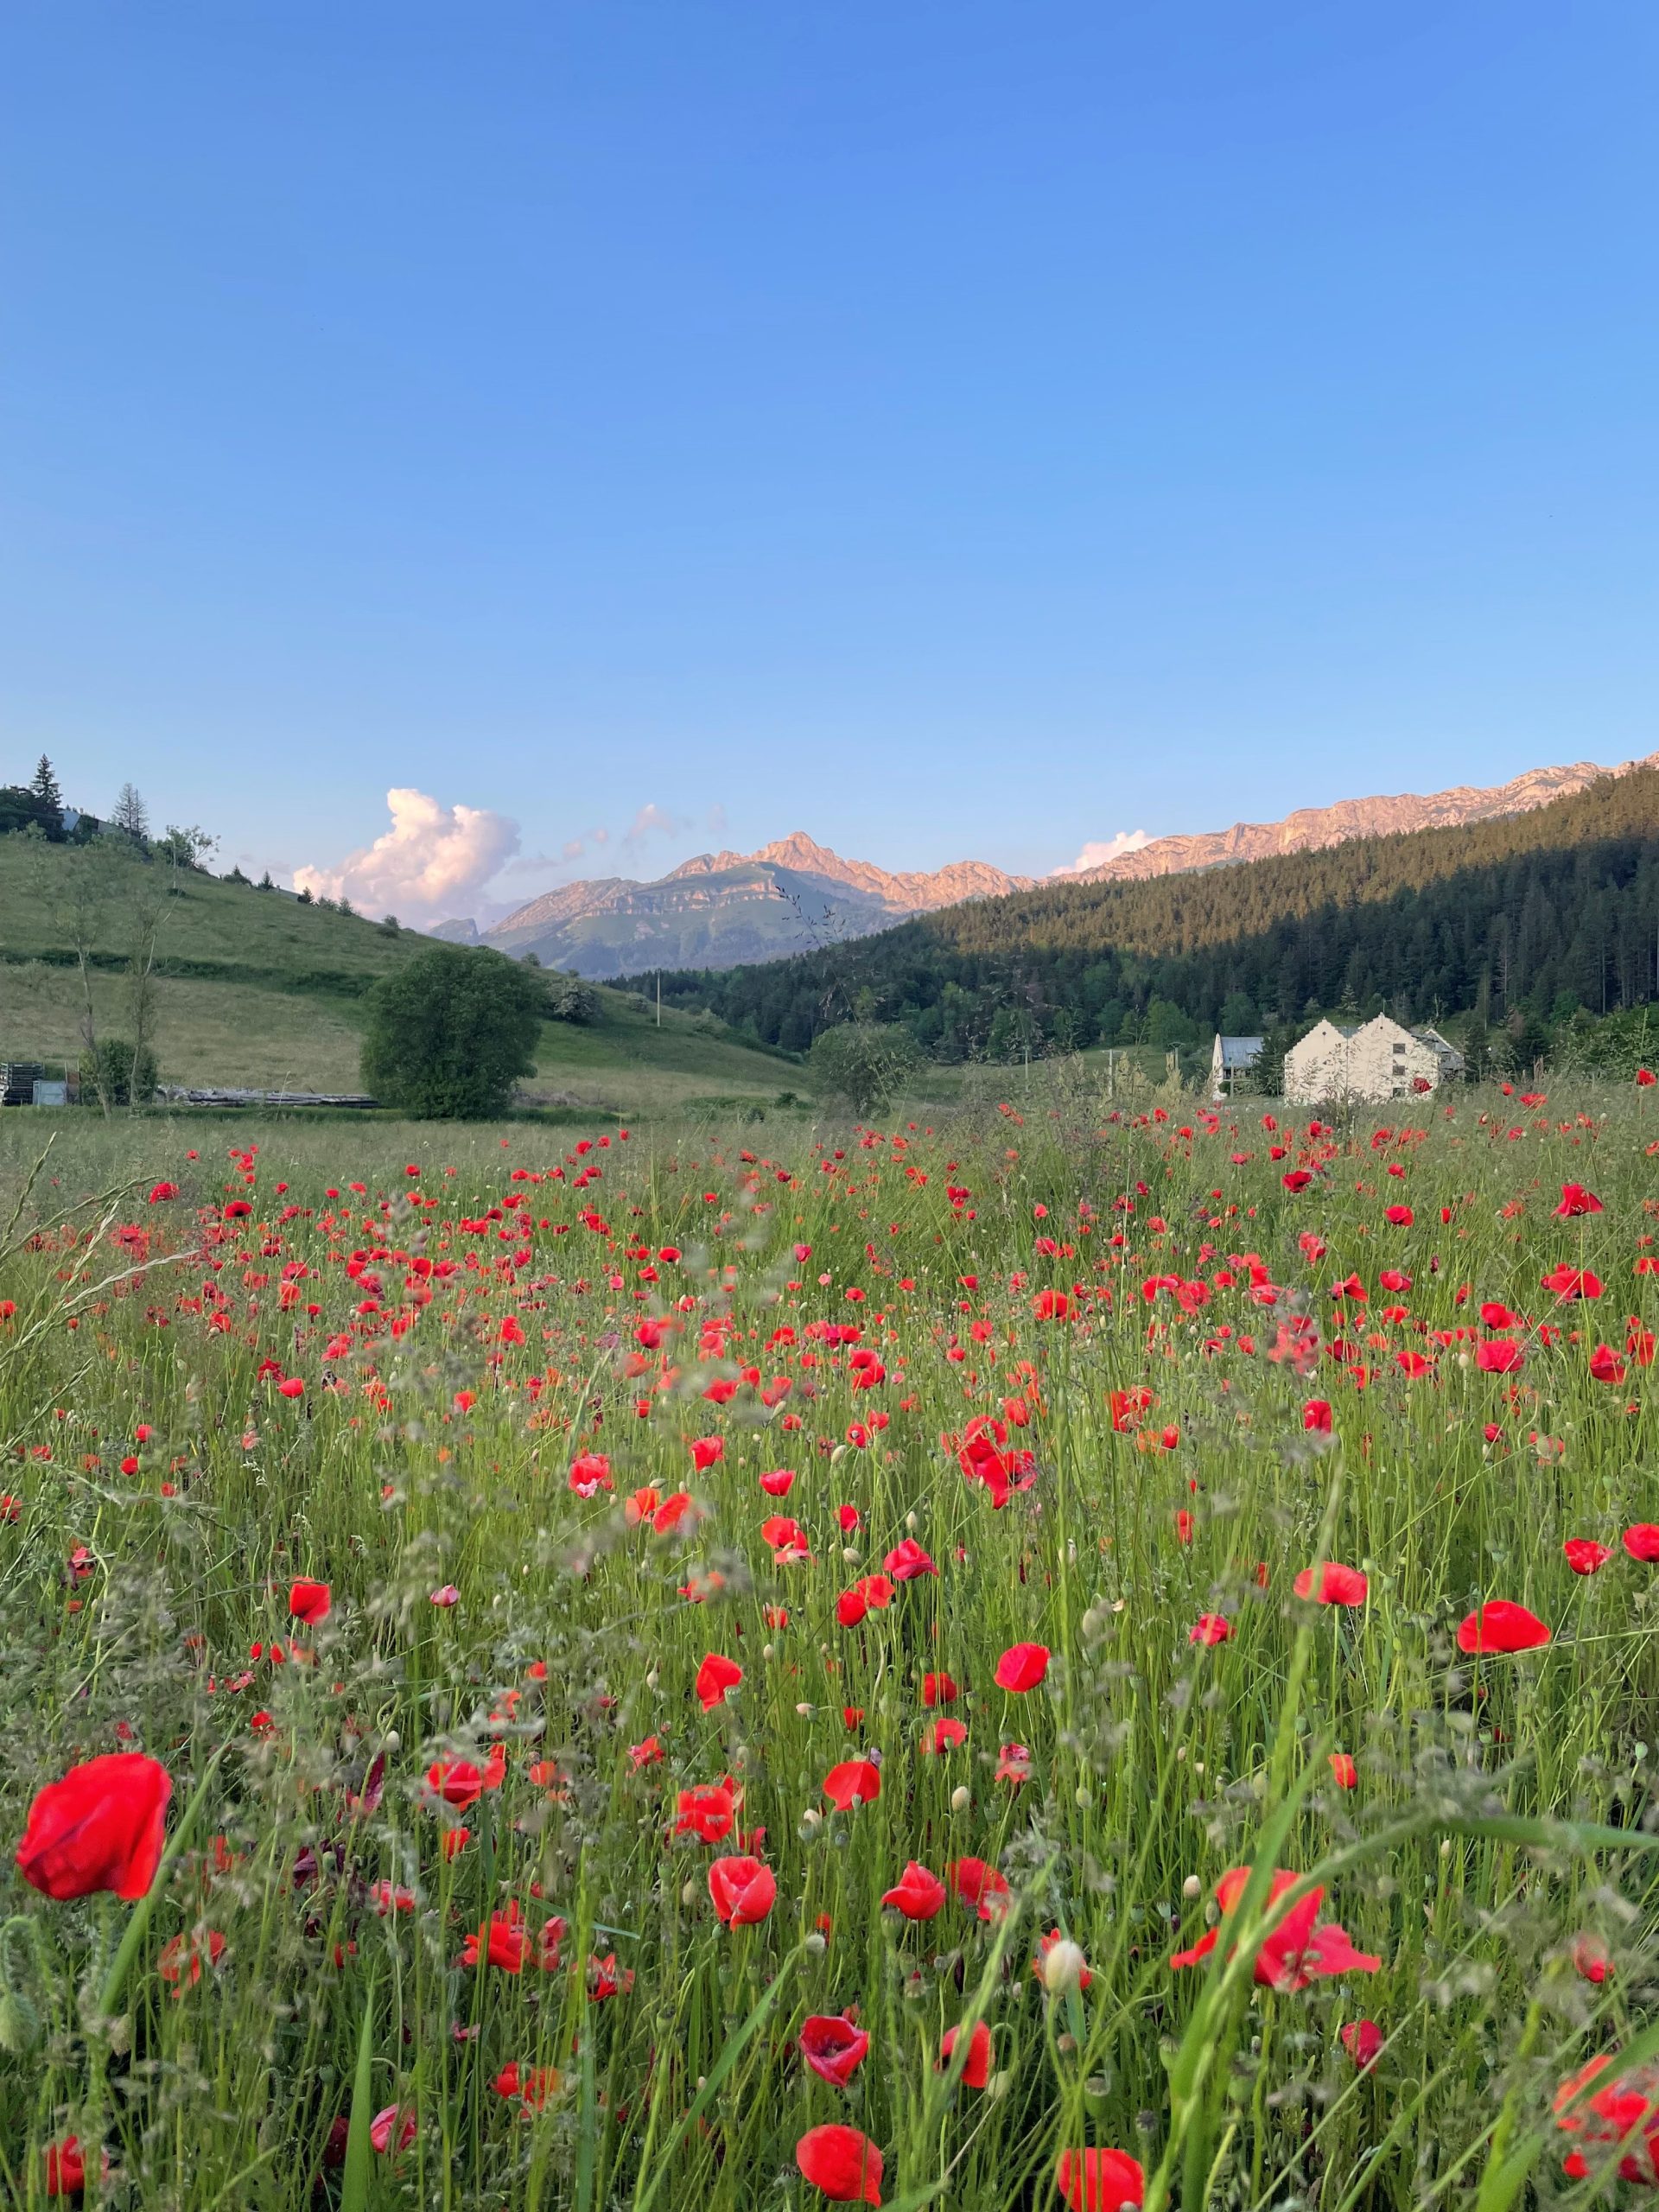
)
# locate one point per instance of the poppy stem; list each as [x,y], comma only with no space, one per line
[110,1996]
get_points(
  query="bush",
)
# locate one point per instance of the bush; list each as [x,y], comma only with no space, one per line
[863,1063]
[568,998]
[448,1035]
[114,1074]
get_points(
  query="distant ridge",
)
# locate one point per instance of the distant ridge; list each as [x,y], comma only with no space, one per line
[729,909]
[1313,827]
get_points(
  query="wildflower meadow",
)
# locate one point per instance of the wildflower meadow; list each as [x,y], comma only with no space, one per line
[1085,1656]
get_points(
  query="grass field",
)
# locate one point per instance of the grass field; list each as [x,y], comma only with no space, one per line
[559,1853]
[256,990]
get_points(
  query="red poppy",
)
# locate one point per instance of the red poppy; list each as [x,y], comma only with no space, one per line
[978,1885]
[100,1827]
[1584,1554]
[460,1783]
[707,1813]
[503,1941]
[1298,1178]
[1343,1772]
[181,1959]
[778,1483]
[785,1535]
[1502,1356]
[1623,2111]
[1099,2181]
[1576,1200]
[1337,1586]
[743,1891]
[66,2167]
[1502,1625]
[855,1780]
[1210,1628]
[1605,1365]
[834,2047]
[977,2067]
[944,1735]
[1316,1416]
[1297,1951]
[310,1601]
[908,1561]
[1642,1541]
[845,2165]
[1022,1667]
[716,1676]
[705,1451]
[1398,1217]
[917,1894]
[590,1471]
[670,1514]
[1362,2040]
[390,2122]
[1591,1959]
[939,1688]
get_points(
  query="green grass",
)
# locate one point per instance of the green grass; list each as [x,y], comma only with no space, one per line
[256,990]
[1505,1807]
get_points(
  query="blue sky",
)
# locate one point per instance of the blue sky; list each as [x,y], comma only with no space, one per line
[956,430]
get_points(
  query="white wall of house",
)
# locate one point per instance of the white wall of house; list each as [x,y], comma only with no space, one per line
[1379,1060]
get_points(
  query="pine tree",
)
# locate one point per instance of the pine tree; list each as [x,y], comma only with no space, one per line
[45,788]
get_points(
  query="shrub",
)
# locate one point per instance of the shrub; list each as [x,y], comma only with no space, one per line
[116,1075]
[863,1063]
[449,1033]
[568,998]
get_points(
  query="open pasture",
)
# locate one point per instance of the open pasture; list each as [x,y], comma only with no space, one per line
[618,1655]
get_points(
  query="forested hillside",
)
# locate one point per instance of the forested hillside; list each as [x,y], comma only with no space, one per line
[1534,913]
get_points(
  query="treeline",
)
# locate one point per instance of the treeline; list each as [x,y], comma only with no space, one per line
[1527,917]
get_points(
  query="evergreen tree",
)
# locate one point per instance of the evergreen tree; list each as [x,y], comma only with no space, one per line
[49,798]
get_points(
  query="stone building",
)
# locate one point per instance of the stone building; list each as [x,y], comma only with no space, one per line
[1376,1059]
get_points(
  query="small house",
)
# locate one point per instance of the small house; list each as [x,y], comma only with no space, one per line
[1232,1058]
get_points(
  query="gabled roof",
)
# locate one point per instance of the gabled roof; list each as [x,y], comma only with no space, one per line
[1238,1051]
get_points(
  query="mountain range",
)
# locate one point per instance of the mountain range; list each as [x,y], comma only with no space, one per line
[727,910]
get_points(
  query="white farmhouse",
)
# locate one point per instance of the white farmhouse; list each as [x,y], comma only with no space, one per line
[1233,1057]
[1379,1060]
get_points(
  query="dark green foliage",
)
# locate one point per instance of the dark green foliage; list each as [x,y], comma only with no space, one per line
[114,1075]
[448,1035]
[863,1063]
[21,808]
[568,998]
[44,786]
[1499,918]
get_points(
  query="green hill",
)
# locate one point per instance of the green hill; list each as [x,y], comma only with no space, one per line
[255,988]
[1538,912]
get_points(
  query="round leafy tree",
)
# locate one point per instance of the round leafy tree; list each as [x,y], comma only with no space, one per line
[863,1063]
[448,1034]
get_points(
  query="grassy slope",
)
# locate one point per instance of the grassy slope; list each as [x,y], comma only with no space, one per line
[259,1021]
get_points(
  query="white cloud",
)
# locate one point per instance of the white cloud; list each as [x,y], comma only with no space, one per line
[652,821]
[431,864]
[1095,854]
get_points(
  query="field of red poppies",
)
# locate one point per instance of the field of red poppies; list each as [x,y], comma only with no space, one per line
[1095,1658]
